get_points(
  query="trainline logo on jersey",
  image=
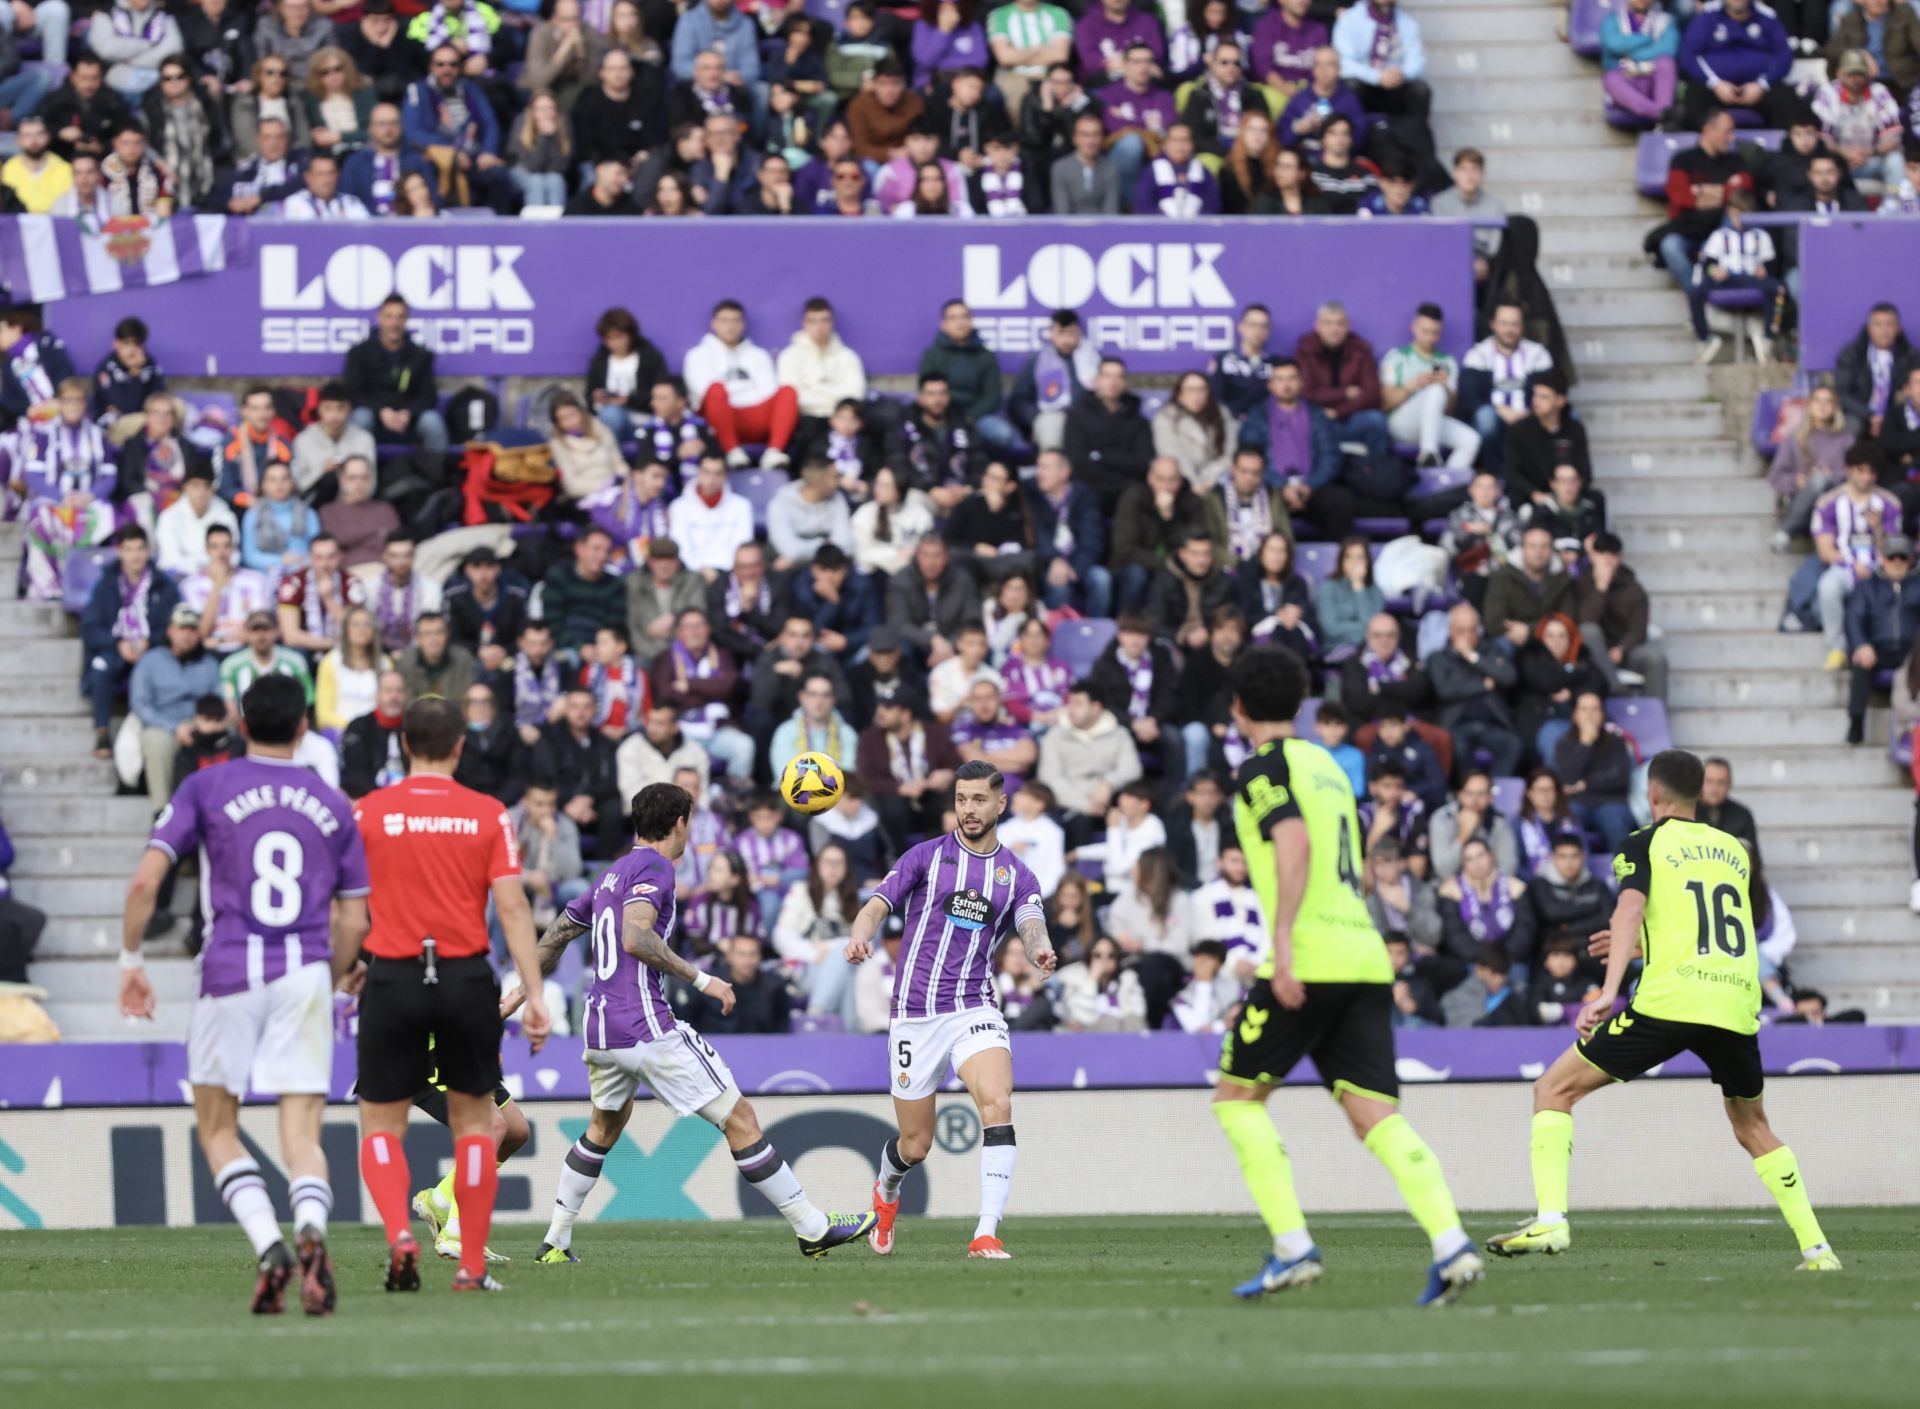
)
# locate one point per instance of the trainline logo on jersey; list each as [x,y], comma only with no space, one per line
[464,298]
[1167,295]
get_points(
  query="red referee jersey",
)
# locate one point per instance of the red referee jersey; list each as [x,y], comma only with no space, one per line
[434,849]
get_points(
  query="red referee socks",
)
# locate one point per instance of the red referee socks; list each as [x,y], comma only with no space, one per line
[383,1165]
[476,1179]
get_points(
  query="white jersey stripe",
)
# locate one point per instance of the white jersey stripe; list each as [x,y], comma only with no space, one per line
[913,949]
[946,936]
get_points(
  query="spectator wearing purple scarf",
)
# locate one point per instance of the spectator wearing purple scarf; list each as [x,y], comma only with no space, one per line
[1139,116]
[1283,45]
[1103,36]
[1176,184]
[1382,55]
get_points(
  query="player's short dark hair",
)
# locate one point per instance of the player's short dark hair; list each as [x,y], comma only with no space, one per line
[431,728]
[979,770]
[274,707]
[658,808]
[1680,775]
[1269,683]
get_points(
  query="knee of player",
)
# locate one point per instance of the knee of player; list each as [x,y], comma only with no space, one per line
[915,1147]
[510,1129]
[741,1126]
[996,1110]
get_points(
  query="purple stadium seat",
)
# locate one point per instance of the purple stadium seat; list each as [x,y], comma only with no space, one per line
[1621,120]
[1658,149]
[1316,561]
[1507,796]
[1078,644]
[219,402]
[1438,479]
[1737,300]
[1309,711]
[757,487]
[1766,414]
[819,1023]
[1151,402]
[1900,744]
[1583,26]
[832,11]
[1383,528]
[1645,720]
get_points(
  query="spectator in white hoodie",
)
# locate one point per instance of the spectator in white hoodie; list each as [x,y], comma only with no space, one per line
[822,370]
[732,380]
[134,37]
[709,521]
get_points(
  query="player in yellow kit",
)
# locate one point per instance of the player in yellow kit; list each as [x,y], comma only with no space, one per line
[1326,992]
[1684,907]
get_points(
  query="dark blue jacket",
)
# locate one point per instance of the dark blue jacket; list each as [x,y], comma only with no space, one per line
[1084,521]
[1885,615]
[96,622]
[854,616]
[420,119]
[1255,432]
[1239,382]
[1717,47]
[356,174]
[14,398]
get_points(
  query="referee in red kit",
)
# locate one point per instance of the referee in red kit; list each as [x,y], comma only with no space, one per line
[435,852]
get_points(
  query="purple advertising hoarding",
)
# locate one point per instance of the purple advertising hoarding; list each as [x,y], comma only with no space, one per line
[519,297]
[1846,266]
[154,1073]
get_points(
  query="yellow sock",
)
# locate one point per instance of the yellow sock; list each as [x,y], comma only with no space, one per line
[1780,1172]
[443,1195]
[1423,1185]
[1263,1164]
[1552,1154]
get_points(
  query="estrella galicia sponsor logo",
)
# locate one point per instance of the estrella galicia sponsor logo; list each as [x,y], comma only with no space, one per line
[464,298]
[1159,295]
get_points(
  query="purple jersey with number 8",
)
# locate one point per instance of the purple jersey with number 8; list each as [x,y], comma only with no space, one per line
[277,846]
[627,1004]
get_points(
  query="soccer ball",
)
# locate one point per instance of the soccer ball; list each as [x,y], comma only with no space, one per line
[811,782]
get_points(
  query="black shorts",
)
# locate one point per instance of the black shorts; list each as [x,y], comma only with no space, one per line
[1347,1028]
[408,1027]
[1631,1043]
[433,1101]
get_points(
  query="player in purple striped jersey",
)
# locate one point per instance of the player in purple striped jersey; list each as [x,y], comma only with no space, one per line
[633,1036]
[283,881]
[960,896]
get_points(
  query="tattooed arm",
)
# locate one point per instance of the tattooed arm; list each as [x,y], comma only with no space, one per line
[1033,937]
[562,932]
[639,938]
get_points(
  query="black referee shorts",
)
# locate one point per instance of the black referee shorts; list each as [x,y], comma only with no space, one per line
[408,1026]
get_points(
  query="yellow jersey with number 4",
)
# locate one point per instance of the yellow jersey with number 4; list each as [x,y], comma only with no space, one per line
[1700,960]
[1334,940]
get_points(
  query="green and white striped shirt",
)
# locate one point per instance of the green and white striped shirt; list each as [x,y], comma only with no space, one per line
[1028,29]
[1400,366]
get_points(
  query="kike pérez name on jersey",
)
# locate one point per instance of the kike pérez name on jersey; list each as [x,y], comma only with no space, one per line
[293,798]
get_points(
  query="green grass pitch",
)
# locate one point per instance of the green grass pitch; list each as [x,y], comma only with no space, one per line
[1668,1308]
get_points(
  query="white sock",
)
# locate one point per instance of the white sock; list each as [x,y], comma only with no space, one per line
[1293,1246]
[998,1154]
[312,1201]
[761,1166]
[1446,1244]
[577,1178]
[245,1193]
[1550,1216]
[893,1171]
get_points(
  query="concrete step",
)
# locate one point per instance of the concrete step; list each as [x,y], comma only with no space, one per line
[1518,96]
[1887,957]
[109,856]
[1666,533]
[1619,233]
[90,893]
[1468,59]
[1752,702]
[41,739]
[1477,23]
[47,814]
[43,656]
[1675,421]
[1710,572]
[1620,457]
[1882,1003]
[1659,344]
[1740,653]
[1733,611]
[1812,766]
[83,981]
[1831,810]
[1580,130]
[40,695]
[1605,271]
[1672,497]
[1529,166]
[31,620]
[1842,885]
[83,936]
[1888,849]
[59,774]
[1712,727]
[1583,313]
[99,1020]
[1557,199]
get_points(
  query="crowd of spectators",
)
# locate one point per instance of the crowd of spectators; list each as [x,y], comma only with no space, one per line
[315,109]
[893,605]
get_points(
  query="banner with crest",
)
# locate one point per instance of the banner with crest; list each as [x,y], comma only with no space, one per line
[45,258]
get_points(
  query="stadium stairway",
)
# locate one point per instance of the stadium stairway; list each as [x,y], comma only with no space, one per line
[1687,495]
[75,843]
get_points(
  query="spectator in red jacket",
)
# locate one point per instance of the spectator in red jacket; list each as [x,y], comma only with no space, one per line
[1697,195]
[1341,376]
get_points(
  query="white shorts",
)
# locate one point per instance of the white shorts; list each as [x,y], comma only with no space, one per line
[278,1039]
[681,1069]
[921,1051]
